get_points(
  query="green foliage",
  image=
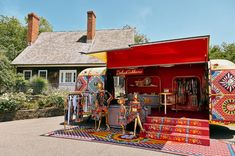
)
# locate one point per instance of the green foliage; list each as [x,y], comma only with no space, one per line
[13,40]
[21,85]
[51,101]
[42,103]
[8,105]
[12,36]
[38,84]
[225,51]
[11,101]
[138,38]
[6,74]
[20,101]
[141,38]
[44,25]
[54,99]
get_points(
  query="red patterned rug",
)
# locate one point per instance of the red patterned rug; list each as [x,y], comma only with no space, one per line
[216,148]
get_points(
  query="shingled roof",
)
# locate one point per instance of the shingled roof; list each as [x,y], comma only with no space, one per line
[63,48]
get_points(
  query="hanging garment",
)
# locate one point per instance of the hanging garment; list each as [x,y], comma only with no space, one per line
[69,108]
[78,101]
[74,117]
[180,89]
[135,110]
[195,87]
[187,86]
[85,102]
[89,103]
[80,106]
[122,115]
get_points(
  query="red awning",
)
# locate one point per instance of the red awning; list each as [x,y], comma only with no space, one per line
[179,51]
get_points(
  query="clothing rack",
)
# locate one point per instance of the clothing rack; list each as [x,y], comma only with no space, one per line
[187,91]
[79,104]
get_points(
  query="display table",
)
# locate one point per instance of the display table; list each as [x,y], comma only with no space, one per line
[149,100]
[166,103]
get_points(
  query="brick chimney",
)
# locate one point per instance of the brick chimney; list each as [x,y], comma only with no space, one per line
[91,20]
[33,28]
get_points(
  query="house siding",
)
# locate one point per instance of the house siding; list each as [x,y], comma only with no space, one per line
[52,73]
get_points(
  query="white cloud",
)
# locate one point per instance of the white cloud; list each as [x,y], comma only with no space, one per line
[142,15]
[145,12]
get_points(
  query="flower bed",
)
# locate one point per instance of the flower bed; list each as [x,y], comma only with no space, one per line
[15,106]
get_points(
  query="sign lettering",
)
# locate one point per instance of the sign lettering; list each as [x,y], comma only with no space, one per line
[129,71]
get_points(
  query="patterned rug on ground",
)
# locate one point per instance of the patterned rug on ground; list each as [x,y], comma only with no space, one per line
[114,136]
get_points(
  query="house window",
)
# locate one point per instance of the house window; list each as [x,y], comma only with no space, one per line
[67,76]
[27,74]
[42,73]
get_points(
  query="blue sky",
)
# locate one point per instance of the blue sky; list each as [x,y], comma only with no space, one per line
[158,19]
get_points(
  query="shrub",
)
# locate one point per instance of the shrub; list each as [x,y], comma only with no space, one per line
[8,105]
[21,85]
[55,98]
[11,101]
[38,84]
[15,101]
[6,74]
[29,105]
[42,102]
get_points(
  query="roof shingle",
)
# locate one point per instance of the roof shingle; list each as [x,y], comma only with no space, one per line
[57,48]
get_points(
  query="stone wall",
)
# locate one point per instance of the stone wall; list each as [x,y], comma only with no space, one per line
[30,114]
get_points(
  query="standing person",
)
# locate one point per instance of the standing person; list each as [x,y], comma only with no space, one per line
[103,99]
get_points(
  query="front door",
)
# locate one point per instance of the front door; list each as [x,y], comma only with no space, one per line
[222,95]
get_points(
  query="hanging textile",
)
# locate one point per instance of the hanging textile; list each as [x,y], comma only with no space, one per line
[69,108]
[74,107]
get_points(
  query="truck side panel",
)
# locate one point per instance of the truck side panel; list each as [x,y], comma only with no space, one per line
[222,95]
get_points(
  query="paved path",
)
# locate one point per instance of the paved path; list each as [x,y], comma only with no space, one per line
[22,138]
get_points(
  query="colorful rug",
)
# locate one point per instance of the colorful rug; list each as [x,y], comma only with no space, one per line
[114,136]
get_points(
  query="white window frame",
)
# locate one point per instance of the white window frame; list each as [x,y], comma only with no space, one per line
[73,78]
[24,71]
[42,71]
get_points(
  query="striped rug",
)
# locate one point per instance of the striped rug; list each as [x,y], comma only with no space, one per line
[114,136]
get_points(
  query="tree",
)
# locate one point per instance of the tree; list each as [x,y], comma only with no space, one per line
[139,38]
[13,40]
[6,74]
[12,36]
[225,51]
[44,25]
[229,50]
[215,52]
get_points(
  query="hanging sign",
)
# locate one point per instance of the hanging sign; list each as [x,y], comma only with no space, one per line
[129,71]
